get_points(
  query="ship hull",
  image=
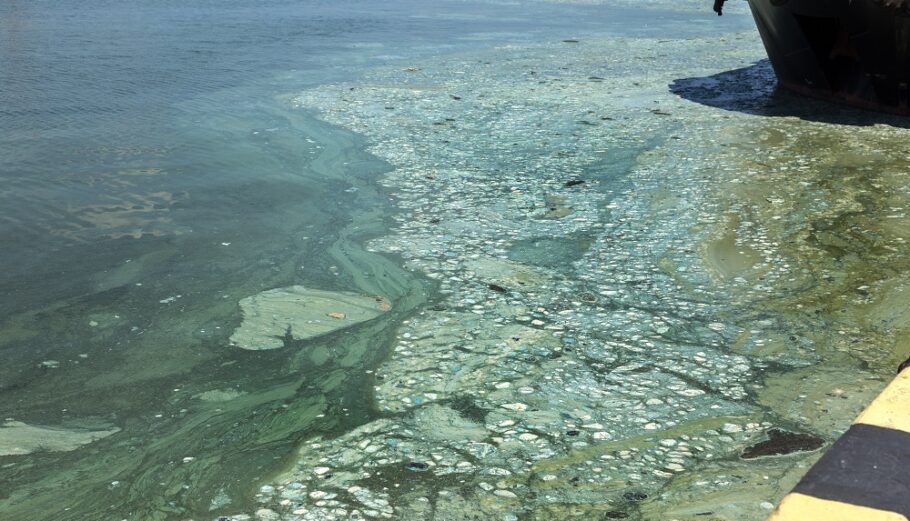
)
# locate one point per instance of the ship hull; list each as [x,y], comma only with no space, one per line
[850,51]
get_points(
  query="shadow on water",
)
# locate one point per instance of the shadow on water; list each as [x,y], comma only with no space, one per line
[754,90]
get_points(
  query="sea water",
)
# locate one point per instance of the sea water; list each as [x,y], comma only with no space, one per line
[605,258]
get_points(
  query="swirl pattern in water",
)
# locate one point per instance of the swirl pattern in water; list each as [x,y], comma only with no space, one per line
[428,260]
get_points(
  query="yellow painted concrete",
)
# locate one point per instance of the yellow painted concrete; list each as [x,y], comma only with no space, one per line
[799,507]
[891,409]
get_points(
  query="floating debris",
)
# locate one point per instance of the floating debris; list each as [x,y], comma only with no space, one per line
[299,313]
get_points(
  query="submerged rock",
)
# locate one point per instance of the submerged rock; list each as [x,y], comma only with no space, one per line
[635,496]
[299,313]
[781,442]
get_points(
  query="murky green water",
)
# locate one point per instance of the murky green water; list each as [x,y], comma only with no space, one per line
[639,283]
[151,347]
[574,263]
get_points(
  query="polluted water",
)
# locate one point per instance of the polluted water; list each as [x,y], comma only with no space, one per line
[572,272]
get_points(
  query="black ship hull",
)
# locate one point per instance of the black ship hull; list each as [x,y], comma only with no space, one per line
[850,51]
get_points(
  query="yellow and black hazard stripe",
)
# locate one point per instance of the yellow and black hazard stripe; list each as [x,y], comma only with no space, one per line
[865,475]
